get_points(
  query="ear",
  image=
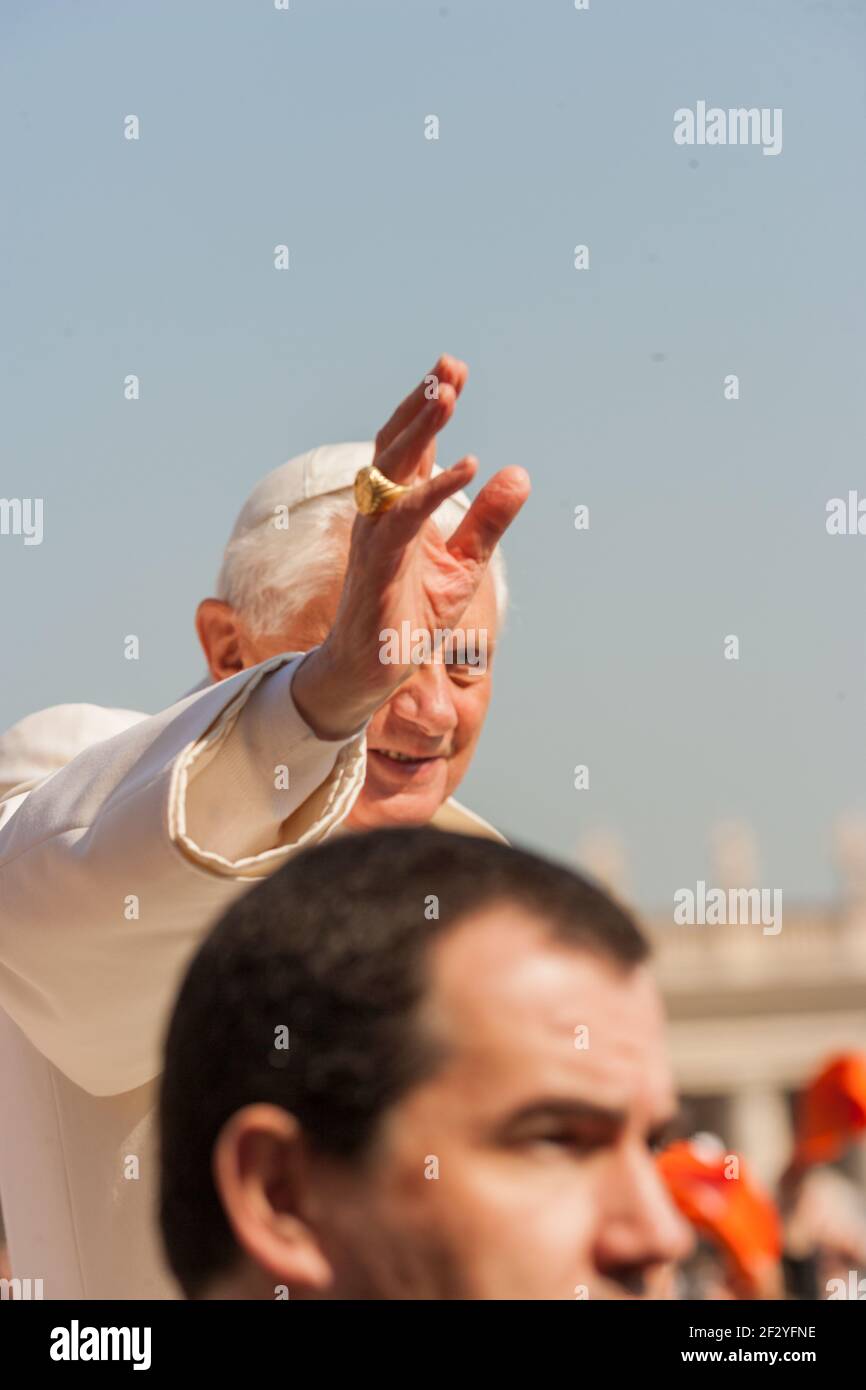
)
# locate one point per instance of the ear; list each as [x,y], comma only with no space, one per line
[262,1176]
[224,639]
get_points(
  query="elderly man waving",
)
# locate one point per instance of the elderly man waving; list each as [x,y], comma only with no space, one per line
[122,836]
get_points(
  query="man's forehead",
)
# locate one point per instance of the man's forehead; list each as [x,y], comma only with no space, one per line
[315,620]
[524,1010]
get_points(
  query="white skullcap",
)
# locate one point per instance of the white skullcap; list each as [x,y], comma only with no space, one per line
[269,568]
[330,468]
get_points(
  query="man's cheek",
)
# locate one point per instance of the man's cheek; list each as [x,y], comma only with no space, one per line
[544,1255]
[472,709]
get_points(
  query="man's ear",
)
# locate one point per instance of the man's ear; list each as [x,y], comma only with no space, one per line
[261,1174]
[224,639]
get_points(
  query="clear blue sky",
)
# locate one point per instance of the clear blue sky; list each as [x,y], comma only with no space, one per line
[307,127]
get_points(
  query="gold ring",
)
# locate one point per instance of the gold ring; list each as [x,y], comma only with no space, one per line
[374,492]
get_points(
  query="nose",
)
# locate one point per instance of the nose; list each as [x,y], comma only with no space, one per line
[426,701]
[639,1227]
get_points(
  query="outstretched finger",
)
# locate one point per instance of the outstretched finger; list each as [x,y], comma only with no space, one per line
[448,371]
[407,458]
[490,515]
[421,501]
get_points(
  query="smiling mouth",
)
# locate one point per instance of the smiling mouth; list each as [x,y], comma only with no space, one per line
[414,758]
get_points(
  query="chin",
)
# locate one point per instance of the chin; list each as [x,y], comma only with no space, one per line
[376,812]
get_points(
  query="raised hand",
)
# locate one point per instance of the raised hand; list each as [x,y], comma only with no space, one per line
[400,566]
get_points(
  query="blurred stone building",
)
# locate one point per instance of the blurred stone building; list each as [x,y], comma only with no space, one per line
[752,1017]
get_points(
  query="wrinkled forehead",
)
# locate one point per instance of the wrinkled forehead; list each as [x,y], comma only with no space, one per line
[317,616]
[524,1012]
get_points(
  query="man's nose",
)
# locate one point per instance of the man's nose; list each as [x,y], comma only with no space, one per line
[640,1227]
[426,700]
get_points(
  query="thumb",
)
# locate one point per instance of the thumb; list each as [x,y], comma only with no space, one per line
[421,501]
[490,515]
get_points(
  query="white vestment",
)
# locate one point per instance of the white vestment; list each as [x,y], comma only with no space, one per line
[122,838]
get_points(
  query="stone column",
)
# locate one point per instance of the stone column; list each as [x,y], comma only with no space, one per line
[849,853]
[760,1130]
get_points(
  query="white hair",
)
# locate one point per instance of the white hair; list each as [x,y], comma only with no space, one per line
[270,574]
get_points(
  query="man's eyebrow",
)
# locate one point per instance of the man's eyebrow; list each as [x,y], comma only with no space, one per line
[491,649]
[557,1108]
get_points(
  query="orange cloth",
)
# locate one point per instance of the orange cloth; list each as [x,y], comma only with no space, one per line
[831,1110]
[731,1210]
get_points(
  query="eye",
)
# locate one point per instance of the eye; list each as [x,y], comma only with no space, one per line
[565,1141]
[467,675]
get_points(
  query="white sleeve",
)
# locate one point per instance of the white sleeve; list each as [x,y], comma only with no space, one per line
[113,868]
[261,785]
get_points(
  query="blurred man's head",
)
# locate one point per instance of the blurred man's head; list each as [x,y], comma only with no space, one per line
[278,591]
[417,1065]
